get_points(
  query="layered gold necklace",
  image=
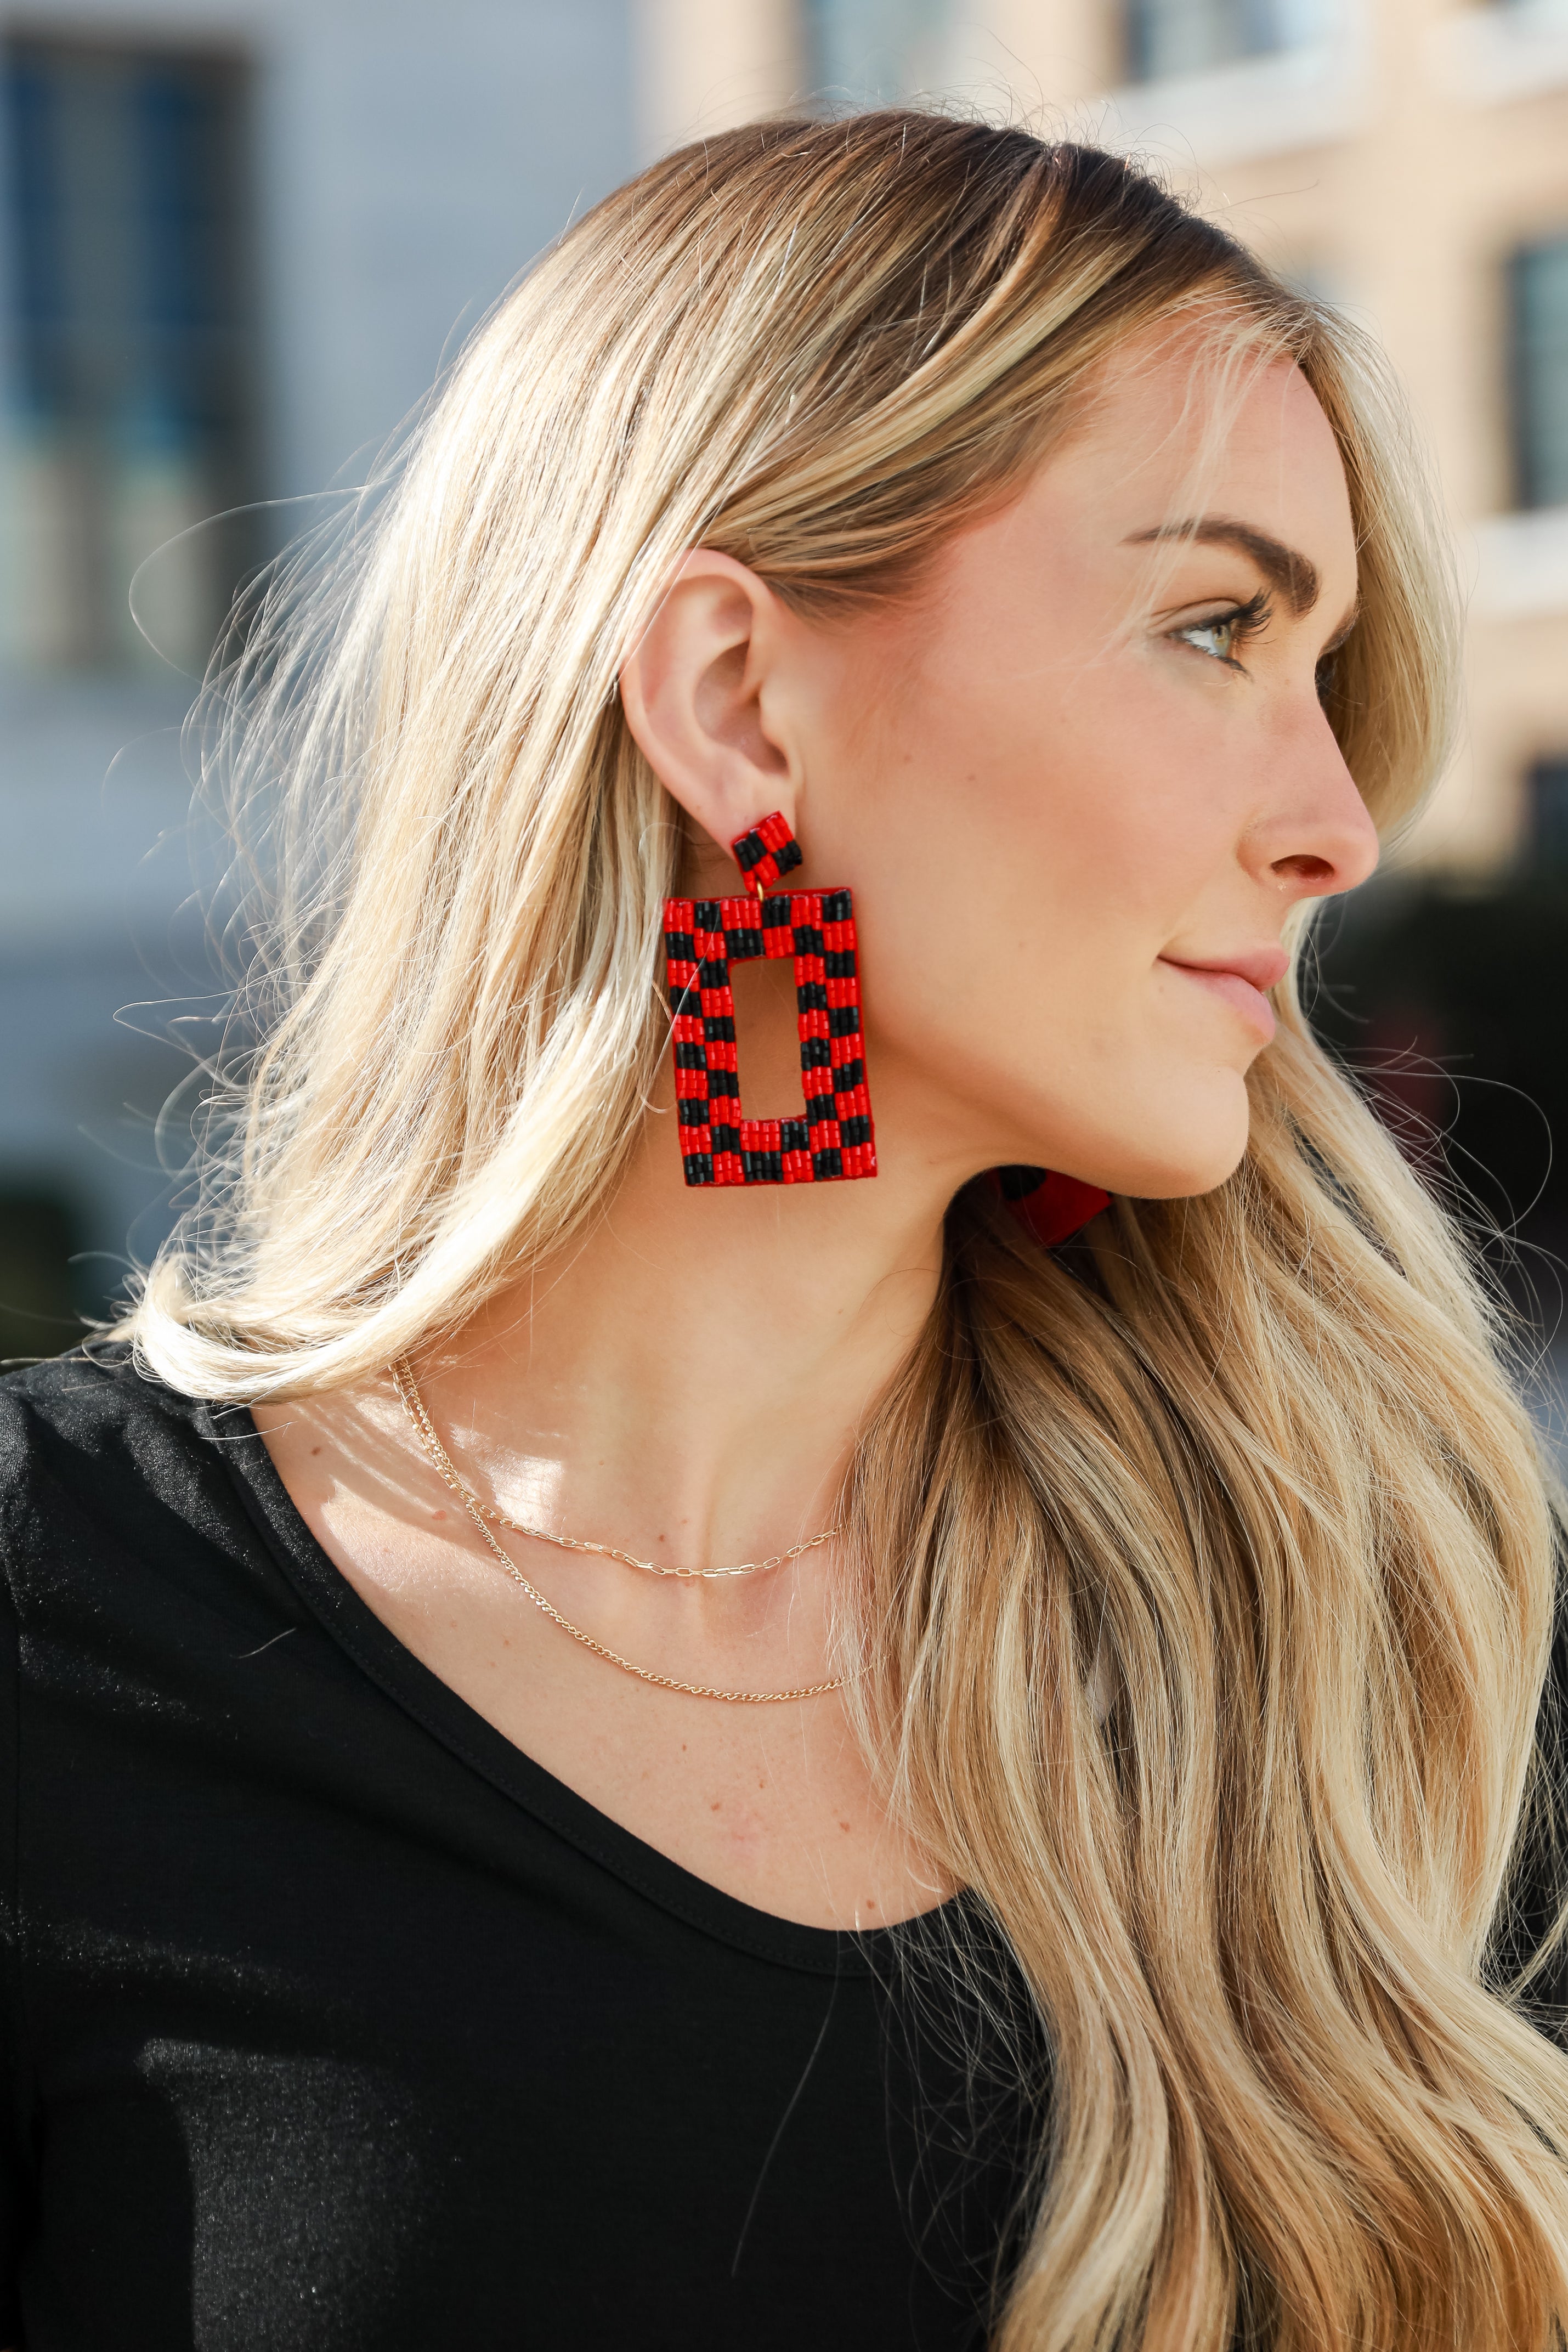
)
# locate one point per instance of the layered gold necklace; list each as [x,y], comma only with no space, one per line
[482,1516]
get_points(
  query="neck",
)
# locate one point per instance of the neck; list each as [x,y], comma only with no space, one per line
[687,1380]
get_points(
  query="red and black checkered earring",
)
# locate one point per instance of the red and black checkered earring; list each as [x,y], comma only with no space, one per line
[816,930]
[1050,1206]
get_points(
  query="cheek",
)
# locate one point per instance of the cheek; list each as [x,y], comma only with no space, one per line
[1055,816]
[1026,844]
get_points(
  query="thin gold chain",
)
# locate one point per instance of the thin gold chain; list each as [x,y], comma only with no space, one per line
[444,1462]
[413,1405]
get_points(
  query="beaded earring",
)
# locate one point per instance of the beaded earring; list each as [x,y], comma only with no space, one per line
[816,930]
[1051,1207]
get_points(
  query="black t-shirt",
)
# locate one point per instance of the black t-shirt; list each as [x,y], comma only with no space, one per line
[332,2024]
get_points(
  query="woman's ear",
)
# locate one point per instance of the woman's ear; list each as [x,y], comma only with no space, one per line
[699,690]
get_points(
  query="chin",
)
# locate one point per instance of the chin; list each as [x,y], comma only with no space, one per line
[1196,1147]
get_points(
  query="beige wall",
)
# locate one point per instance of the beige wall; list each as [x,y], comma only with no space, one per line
[703,65]
[1393,167]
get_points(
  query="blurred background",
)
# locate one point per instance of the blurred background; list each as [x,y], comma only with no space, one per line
[238,237]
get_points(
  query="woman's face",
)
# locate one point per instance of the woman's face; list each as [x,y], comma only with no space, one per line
[1080,782]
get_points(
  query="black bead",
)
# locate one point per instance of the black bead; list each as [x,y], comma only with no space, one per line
[808,939]
[713,972]
[838,906]
[1018,1183]
[855,1130]
[775,915]
[698,1166]
[812,996]
[692,1111]
[852,1074]
[844,1020]
[685,999]
[840,964]
[726,1139]
[793,1135]
[826,1163]
[723,1082]
[707,914]
[719,1028]
[743,947]
[816,1053]
[680,947]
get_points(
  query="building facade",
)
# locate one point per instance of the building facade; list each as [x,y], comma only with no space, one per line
[238,237]
[1406,159]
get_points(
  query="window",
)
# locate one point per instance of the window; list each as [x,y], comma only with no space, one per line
[1547,818]
[1184,37]
[128,363]
[869,50]
[1539,339]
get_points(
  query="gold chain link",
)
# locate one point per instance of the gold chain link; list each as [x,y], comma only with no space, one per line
[413,1405]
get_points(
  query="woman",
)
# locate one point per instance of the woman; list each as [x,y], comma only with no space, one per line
[614,1750]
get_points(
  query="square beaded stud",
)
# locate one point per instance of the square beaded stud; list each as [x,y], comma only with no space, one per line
[814,929]
[766,853]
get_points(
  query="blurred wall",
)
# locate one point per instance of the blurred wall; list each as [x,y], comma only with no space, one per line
[342,186]
[1405,158]
[383,169]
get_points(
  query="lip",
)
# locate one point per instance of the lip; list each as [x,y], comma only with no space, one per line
[1240,981]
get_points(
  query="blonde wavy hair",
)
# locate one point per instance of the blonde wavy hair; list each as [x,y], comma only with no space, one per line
[1204,1588]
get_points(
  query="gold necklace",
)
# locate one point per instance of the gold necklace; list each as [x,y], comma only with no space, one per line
[425,1428]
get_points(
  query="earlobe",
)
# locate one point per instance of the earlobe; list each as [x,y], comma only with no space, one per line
[697,692]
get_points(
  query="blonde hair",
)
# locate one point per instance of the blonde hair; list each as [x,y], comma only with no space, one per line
[1205,1589]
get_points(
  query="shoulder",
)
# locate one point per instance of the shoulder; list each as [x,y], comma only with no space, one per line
[94,1425]
[101,1467]
[90,1400]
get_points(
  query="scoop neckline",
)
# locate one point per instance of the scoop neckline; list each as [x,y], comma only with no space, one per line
[448,1718]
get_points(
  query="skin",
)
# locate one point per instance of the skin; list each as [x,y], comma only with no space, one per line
[1075,800]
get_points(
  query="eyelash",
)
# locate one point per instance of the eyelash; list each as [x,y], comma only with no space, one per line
[1244,621]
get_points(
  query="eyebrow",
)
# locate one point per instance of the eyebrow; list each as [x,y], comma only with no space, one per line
[1284,568]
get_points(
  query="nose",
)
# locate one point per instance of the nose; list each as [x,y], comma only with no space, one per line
[1314,837]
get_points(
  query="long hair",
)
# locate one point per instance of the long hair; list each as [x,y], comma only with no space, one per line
[1204,1591]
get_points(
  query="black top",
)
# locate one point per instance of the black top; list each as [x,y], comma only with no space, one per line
[332,2024]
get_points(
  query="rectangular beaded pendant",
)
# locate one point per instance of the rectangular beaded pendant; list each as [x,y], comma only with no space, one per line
[833,1139]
